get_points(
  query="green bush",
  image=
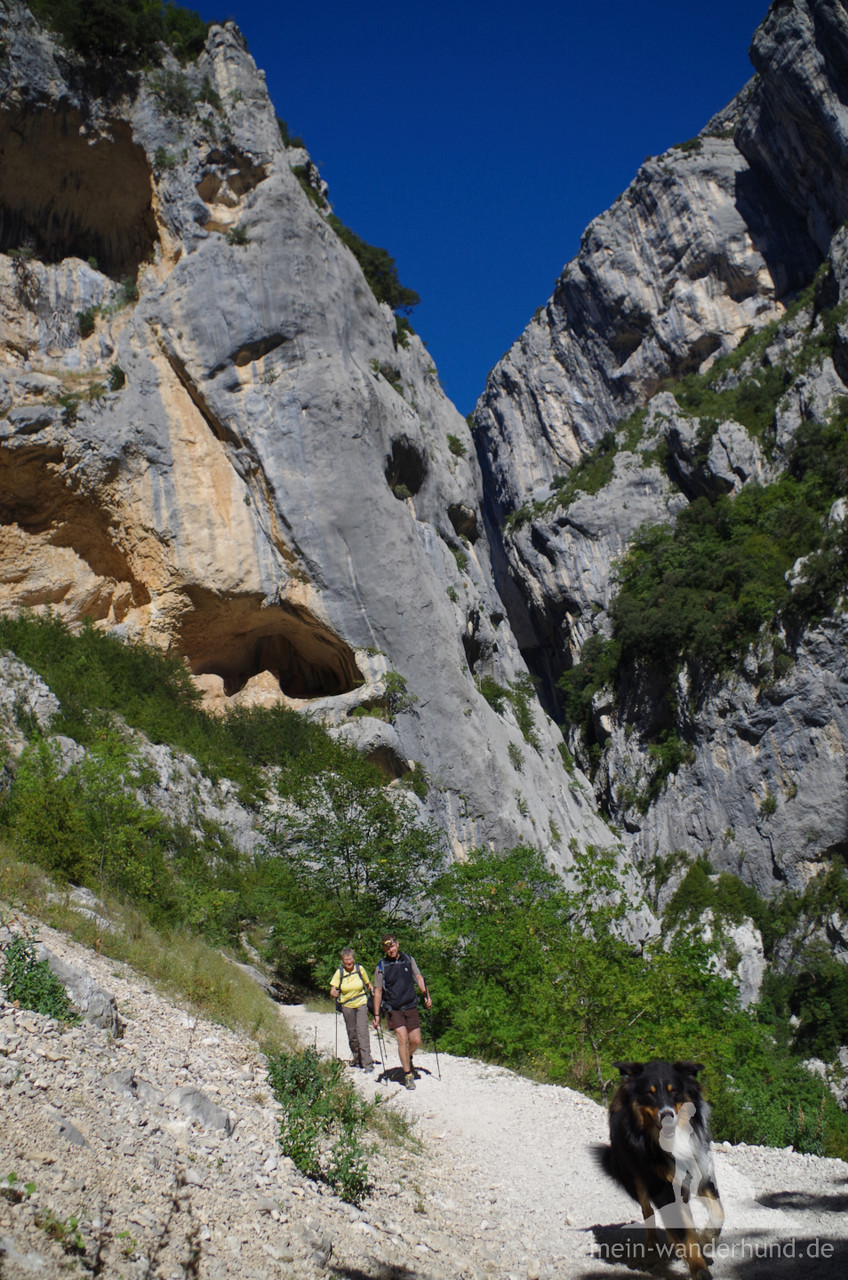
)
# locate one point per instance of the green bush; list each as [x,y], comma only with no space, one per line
[597,669]
[86,321]
[522,693]
[392,376]
[397,698]
[301,172]
[379,269]
[461,558]
[403,331]
[126,31]
[163,160]
[32,983]
[812,987]
[127,293]
[173,92]
[591,473]
[208,93]
[289,140]
[84,824]
[495,694]
[320,1107]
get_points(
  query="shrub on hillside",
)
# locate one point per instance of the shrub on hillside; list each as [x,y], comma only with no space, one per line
[537,977]
[320,1107]
[127,31]
[31,983]
[379,269]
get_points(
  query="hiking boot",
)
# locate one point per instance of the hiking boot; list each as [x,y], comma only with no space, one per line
[409,1081]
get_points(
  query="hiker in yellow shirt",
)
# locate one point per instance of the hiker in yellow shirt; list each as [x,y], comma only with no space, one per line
[349,988]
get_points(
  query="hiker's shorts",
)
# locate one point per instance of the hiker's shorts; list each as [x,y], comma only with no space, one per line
[404,1018]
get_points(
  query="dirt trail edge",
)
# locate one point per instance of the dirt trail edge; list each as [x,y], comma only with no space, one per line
[513,1162]
[154,1153]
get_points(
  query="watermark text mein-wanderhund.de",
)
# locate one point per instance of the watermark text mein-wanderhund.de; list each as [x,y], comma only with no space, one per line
[740,1249]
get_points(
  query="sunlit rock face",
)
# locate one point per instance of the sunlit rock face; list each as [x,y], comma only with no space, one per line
[670,276]
[213,438]
[711,240]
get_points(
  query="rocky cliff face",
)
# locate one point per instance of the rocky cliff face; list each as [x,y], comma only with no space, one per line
[214,438]
[710,241]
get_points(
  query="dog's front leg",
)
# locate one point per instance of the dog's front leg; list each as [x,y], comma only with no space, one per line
[678,1222]
[716,1212]
[648,1215]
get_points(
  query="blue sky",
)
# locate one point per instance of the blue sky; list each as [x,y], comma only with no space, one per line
[475,142]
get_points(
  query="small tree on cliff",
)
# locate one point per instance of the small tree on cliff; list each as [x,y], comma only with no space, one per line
[128,31]
[351,860]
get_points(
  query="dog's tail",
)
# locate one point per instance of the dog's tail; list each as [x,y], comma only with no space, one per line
[602,1156]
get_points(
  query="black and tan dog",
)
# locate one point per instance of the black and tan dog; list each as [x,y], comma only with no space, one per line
[659,1152]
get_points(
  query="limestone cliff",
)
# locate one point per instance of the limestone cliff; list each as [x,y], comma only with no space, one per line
[214,438]
[710,242]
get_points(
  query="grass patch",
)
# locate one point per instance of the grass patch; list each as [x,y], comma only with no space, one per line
[180,965]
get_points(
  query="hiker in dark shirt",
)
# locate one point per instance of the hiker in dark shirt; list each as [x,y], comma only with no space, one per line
[395,981]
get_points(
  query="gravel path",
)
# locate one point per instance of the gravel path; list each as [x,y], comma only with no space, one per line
[512,1161]
[154,1154]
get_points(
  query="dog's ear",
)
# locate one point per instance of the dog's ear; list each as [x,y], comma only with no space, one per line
[689,1069]
[630,1069]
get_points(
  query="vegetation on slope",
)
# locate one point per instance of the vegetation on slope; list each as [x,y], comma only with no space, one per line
[131,32]
[538,977]
[522,971]
[700,592]
[379,269]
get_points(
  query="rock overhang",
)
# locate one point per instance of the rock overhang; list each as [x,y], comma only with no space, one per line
[68,192]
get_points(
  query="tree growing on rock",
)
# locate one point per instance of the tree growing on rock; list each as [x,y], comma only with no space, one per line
[352,859]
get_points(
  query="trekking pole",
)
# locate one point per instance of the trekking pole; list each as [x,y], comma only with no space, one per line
[337,1028]
[432,1033]
[380,1046]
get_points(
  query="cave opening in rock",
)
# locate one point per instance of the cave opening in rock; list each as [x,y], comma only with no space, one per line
[238,638]
[473,650]
[65,193]
[70,541]
[464,521]
[228,176]
[406,467]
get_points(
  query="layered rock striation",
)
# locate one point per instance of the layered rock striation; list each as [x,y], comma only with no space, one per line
[710,242]
[215,439]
